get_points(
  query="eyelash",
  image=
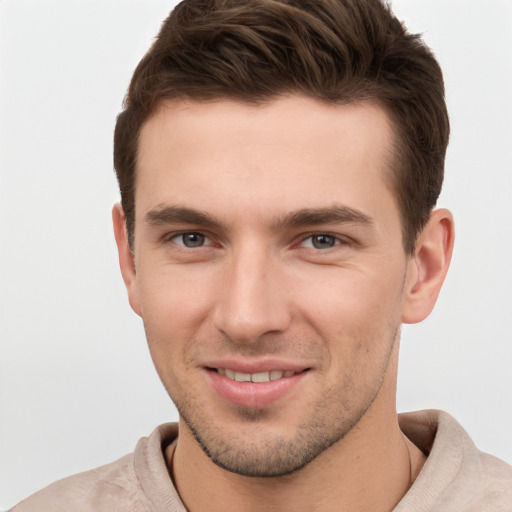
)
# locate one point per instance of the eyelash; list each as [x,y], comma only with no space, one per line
[174,236]
[336,239]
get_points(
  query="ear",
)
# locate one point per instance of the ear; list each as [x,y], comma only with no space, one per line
[428,267]
[126,257]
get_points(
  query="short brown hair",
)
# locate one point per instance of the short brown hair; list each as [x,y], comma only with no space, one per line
[336,51]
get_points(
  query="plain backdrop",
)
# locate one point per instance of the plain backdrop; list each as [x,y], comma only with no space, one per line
[77,386]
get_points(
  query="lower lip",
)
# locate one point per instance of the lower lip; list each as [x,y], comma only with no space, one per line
[251,394]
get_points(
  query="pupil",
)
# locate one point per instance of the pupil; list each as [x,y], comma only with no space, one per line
[193,239]
[323,241]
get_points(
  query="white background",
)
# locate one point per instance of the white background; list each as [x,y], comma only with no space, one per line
[77,387]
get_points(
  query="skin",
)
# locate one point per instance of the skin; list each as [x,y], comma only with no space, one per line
[270,273]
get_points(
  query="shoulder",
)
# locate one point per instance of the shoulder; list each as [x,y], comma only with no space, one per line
[456,476]
[98,489]
[118,486]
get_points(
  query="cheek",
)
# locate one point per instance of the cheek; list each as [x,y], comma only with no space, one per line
[173,296]
[358,304]
[174,308]
[358,320]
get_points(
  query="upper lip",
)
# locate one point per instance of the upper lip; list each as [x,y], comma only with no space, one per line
[256,366]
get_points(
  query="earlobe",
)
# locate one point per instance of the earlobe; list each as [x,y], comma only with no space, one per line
[429,266]
[126,259]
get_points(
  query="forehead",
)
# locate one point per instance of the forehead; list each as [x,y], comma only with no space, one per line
[289,152]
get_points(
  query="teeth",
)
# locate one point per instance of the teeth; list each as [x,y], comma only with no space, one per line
[260,377]
[255,377]
[242,377]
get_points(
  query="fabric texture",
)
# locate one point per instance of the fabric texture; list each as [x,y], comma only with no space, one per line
[456,477]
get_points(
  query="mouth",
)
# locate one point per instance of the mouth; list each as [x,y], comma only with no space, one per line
[256,389]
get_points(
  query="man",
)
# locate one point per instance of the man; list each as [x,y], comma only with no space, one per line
[279,164]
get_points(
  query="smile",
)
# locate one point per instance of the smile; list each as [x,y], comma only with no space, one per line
[254,389]
[255,377]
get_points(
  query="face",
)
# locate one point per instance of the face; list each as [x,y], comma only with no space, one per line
[269,270]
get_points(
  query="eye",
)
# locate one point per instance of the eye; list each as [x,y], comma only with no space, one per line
[190,239]
[321,241]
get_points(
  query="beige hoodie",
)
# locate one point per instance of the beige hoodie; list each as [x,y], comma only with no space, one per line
[456,477]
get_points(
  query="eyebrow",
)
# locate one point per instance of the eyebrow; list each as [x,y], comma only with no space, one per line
[181,214]
[300,218]
[316,216]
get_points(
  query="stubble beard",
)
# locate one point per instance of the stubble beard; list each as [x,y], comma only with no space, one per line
[279,456]
[339,410]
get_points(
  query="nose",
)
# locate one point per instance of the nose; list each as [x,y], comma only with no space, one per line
[253,300]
